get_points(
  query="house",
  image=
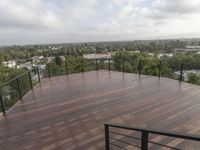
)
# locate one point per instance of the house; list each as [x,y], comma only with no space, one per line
[193,49]
[99,56]
[27,65]
[10,63]
[36,59]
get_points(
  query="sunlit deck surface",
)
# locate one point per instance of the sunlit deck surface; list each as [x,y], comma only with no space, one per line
[69,112]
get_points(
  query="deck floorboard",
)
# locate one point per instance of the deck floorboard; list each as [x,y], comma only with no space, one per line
[69,112]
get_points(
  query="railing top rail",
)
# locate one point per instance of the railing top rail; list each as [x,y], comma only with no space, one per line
[164,133]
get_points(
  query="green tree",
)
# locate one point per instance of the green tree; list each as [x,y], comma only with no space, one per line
[194,78]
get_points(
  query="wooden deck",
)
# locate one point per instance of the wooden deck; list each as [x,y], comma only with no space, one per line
[69,112]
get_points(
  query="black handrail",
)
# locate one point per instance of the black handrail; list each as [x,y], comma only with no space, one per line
[18,87]
[145,135]
[140,67]
[97,67]
[18,76]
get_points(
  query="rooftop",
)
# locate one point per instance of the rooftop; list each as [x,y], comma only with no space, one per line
[68,112]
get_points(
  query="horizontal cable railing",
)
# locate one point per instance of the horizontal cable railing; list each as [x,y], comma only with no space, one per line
[17,87]
[14,89]
[116,139]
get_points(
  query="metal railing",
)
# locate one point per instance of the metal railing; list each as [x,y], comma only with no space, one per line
[17,87]
[115,139]
[96,64]
[83,65]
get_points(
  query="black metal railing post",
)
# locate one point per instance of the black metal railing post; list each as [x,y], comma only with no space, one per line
[107,143]
[97,64]
[159,69]
[139,67]
[18,87]
[181,73]
[123,65]
[38,73]
[66,68]
[48,71]
[30,80]
[2,106]
[144,141]
[109,64]
[82,63]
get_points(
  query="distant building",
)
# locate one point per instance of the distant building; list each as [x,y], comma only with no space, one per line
[193,49]
[99,56]
[49,59]
[27,65]
[161,54]
[10,63]
[37,58]
[167,54]
[62,58]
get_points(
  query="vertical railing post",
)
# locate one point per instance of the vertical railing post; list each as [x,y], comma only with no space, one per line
[82,65]
[2,106]
[107,143]
[66,68]
[139,67]
[48,71]
[97,64]
[30,80]
[181,73]
[123,65]
[87,65]
[159,69]
[144,142]
[38,73]
[18,87]
[109,64]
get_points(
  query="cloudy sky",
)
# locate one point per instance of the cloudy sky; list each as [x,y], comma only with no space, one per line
[55,21]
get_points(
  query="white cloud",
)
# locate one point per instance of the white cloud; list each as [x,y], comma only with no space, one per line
[27,21]
[164,9]
[177,6]
[27,14]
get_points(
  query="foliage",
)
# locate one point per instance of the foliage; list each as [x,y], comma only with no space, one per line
[150,63]
[58,61]
[8,73]
[9,91]
[127,58]
[194,78]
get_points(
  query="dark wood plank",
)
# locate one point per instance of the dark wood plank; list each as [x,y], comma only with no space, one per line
[68,112]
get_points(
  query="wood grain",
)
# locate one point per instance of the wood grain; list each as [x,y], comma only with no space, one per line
[68,112]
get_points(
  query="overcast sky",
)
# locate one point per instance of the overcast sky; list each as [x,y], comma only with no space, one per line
[55,21]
